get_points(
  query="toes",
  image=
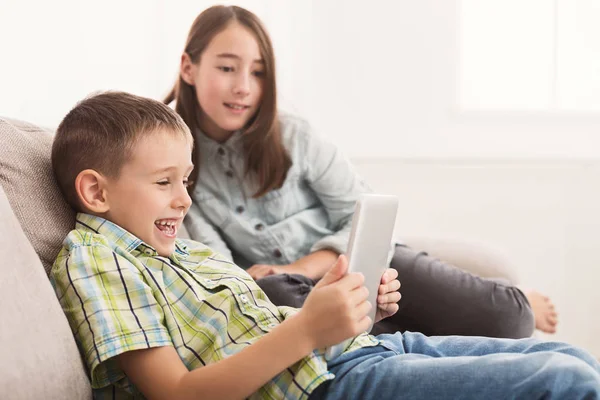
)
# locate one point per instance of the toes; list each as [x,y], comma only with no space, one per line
[547,328]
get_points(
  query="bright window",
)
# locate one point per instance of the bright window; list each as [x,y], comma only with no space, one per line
[529,55]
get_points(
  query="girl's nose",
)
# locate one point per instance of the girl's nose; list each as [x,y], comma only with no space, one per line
[242,86]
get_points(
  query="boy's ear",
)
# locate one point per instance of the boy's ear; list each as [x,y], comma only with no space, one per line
[91,190]
[187,69]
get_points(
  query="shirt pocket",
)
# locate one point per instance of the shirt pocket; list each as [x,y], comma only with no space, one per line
[292,198]
[214,210]
[247,297]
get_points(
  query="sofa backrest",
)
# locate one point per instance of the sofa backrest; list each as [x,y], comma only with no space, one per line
[38,355]
[26,175]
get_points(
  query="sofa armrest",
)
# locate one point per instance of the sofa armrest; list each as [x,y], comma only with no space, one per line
[475,257]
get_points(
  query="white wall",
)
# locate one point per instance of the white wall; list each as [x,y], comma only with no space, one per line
[55,53]
[382,80]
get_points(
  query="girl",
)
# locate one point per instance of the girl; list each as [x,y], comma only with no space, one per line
[278,199]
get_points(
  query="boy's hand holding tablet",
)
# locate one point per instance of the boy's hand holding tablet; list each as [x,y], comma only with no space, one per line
[368,250]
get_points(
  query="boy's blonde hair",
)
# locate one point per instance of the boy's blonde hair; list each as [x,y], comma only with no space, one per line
[100,133]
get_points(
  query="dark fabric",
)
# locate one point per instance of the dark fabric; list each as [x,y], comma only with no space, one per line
[286,290]
[437,299]
[320,391]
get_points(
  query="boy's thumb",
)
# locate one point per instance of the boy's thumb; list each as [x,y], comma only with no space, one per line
[336,272]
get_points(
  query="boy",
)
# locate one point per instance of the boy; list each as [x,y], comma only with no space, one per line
[162,318]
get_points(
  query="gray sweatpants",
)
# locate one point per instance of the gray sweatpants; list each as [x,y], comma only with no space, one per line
[437,299]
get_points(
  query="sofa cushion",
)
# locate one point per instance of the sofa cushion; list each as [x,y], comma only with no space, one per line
[38,355]
[26,175]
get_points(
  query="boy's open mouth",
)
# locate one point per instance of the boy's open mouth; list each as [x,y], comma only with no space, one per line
[167,227]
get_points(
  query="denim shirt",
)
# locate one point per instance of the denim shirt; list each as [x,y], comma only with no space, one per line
[311,211]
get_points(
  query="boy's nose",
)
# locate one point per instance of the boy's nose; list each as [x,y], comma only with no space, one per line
[182,199]
[186,201]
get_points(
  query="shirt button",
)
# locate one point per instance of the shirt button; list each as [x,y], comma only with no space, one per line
[244,298]
[272,325]
[148,251]
[277,253]
[239,209]
[221,151]
[229,173]
[259,227]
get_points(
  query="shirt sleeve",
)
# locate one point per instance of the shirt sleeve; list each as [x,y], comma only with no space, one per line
[110,308]
[337,185]
[287,312]
[201,231]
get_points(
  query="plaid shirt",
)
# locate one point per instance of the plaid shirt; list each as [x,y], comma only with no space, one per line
[120,295]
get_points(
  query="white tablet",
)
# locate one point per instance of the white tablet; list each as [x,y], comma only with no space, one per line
[369,247]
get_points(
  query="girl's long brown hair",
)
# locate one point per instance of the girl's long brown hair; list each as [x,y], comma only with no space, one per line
[265,157]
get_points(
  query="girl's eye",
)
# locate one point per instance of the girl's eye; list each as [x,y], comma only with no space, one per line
[163,183]
[225,69]
[259,74]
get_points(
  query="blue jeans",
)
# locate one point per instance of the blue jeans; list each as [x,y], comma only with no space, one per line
[414,366]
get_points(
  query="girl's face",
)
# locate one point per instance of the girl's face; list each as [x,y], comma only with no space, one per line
[228,81]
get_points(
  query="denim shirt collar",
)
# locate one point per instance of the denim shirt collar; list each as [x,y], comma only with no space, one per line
[208,147]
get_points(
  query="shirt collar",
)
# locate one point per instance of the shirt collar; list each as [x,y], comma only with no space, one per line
[210,147]
[122,238]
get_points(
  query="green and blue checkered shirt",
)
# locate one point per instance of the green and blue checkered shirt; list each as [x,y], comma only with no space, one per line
[120,295]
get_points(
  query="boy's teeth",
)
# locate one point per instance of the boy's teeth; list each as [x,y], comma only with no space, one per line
[166,223]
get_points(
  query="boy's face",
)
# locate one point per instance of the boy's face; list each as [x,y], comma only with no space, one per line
[149,198]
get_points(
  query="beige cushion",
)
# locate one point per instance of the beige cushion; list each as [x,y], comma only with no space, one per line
[26,175]
[472,256]
[38,355]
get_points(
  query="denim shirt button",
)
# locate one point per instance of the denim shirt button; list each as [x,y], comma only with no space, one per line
[277,253]
[221,151]
[229,173]
[259,227]
[239,209]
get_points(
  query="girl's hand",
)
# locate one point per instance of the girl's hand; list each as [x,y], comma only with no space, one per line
[388,295]
[337,307]
[258,271]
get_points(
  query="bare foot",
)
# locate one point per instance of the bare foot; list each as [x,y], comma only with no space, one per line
[546,317]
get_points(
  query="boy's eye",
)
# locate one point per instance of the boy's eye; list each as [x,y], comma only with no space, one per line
[225,69]
[163,183]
